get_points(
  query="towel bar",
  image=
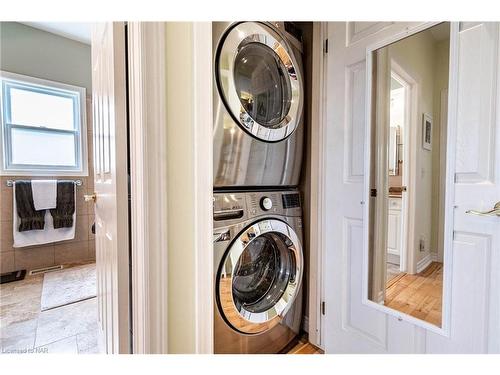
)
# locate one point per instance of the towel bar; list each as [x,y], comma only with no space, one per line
[10,183]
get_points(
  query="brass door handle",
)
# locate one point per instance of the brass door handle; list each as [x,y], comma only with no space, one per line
[494,211]
[90,197]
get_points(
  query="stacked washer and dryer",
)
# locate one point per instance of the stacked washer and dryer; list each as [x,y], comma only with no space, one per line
[258,141]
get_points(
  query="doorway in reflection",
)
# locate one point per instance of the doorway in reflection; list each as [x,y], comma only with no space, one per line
[399,114]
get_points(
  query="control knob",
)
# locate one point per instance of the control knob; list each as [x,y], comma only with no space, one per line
[266,203]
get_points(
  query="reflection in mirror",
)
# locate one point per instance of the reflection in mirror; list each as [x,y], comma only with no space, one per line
[408,148]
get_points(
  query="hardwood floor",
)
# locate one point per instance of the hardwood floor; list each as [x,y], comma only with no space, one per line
[419,295]
[305,347]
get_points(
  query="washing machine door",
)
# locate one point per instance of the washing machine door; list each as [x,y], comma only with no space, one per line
[260,276]
[259,81]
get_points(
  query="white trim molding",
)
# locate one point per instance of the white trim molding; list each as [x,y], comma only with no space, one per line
[423,263]
[148,180]
[318,231]
[203,179]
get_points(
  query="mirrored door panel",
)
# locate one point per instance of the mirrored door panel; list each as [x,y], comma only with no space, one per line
[408,130]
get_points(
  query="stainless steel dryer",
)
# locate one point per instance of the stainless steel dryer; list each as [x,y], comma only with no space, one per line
[258,265]
[258,104]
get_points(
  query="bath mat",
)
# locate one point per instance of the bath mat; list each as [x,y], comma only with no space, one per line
[68,286]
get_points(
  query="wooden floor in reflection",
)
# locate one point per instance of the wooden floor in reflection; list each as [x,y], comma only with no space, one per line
[419,295]
[304,347]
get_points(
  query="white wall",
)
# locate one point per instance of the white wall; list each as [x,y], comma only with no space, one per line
[33,52]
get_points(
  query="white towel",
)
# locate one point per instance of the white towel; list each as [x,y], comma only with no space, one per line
[39,237]
[44,194]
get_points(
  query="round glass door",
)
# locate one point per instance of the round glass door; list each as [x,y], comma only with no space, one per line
[262,84]
[259,81]
[260,276]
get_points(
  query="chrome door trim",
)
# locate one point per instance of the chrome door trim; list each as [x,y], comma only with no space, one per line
[244,320]
[230,44]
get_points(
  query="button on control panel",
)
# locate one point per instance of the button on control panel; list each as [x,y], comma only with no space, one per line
[266,203]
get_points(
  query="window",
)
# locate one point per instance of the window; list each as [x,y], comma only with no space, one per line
[43,127]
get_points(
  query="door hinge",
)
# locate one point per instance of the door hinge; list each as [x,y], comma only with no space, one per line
[325,47]
[323,308]
[373,192]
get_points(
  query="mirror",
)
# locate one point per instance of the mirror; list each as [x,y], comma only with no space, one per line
[408,152]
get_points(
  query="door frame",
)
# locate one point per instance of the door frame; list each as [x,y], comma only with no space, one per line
[410,84]
[318,231]
[146,77]
[203,180]
[450,173]
[149,159]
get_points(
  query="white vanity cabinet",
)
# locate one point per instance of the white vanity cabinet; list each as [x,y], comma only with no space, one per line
[394,230]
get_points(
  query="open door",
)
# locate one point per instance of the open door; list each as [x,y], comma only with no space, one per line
[471,300]
[111,184]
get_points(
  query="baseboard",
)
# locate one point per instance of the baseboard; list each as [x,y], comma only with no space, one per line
[392,258]
[305,324]
[434,257]
[380,297]
[424,263]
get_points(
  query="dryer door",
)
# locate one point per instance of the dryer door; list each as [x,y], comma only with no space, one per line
[260,276]
[259,81]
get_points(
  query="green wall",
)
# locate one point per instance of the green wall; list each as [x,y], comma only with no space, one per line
[29,51]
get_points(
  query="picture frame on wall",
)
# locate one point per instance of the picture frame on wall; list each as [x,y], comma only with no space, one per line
[427,132]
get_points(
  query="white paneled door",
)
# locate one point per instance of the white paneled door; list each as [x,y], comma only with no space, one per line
[111,183]
[475,289]
[352,326]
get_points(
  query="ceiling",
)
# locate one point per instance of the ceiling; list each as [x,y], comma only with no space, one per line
[441,31]
[79,31]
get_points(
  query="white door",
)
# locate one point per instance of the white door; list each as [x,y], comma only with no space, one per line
[111,183]
[350,325]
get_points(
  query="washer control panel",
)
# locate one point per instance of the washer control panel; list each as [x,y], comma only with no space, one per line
[229,206]
[274,202]
[291,200]
[244,205]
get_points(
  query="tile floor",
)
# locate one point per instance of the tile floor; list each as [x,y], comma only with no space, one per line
[24,328]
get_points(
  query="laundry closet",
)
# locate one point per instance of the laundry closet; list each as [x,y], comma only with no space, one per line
[261,94]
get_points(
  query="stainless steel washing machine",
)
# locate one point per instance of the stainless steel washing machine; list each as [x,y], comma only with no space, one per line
[258,104]
[258,264]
